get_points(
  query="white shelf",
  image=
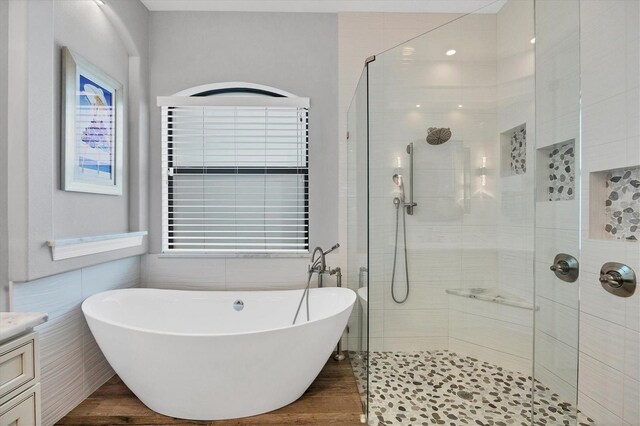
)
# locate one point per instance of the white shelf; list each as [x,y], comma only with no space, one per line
[83,246]
[494,295]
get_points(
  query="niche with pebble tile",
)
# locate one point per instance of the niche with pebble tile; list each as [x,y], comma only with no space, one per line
[615,204]
[513,144]
[557,172]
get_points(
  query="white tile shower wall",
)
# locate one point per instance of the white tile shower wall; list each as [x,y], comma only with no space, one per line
[503,232]
[72,364]
[360,36]
[449,246]
[609,386]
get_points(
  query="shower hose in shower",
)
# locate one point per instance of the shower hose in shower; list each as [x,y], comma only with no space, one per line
[395,253]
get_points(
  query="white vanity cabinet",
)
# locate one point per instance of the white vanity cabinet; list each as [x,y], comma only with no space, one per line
[20,381]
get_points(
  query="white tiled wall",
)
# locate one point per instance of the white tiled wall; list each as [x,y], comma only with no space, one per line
[489,243]
[72,364]
[449,244]
[187,273]
[609,381]
[362,35]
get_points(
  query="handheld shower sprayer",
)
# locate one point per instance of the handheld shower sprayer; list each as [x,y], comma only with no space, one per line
[407,209]
[397,179]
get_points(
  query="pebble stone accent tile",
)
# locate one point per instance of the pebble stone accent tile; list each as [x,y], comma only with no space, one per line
[444,388]
[562,173]
[623,204]
[519,151]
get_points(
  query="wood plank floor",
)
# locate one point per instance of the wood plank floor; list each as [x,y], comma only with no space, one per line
[331,400]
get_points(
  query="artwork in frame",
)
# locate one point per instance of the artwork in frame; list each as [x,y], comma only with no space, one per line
[92,128]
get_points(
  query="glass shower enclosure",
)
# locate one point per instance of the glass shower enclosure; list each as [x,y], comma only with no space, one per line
[463,147]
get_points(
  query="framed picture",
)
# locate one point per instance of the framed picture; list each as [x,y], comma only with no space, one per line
[92,128]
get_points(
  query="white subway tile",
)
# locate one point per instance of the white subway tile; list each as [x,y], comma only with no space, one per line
[492,356]
[631,412]
[597,412]
[558,321]
[176,270]
[416,323]
[566,390]
[632,354]
[559,358]
[602,383]
[598,302]
[410,344]
[602,340]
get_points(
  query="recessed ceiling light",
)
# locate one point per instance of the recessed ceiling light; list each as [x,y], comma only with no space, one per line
[533,40]
[451,52]
[417,105]
[99,2]
[460,106]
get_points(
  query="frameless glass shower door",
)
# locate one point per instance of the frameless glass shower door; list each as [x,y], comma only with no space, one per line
[557,218]
[462,191]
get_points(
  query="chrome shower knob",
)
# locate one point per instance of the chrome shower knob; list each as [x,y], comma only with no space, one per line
[562,267]
[565,267]
[618,279]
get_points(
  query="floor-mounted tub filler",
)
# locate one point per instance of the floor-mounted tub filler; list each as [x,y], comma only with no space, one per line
[217,355]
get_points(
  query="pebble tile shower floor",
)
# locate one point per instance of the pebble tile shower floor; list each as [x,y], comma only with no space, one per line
[441,387]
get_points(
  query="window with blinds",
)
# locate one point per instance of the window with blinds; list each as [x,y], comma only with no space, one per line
[235,174]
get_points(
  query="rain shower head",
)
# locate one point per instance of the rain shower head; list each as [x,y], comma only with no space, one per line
[438,135]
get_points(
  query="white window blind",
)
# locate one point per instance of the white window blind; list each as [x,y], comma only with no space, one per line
[235,174]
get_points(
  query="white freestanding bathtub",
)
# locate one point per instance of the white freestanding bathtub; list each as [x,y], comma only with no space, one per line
[192,355]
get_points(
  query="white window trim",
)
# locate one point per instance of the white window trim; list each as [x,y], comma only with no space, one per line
[186,98]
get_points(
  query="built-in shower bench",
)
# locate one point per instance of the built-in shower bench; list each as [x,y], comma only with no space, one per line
[492,294]
[492,325]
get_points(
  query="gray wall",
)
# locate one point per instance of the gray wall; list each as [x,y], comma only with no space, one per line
[113,37]
[296,52]
[86,30]
[4,56]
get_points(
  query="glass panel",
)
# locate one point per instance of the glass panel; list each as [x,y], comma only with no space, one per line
[557,231]
[451,296]
[357,239]
[473,169]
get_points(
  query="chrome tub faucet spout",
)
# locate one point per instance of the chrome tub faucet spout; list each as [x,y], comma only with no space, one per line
[318,266]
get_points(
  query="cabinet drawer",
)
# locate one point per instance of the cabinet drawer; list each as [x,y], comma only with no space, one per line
[18,365]
[23,410]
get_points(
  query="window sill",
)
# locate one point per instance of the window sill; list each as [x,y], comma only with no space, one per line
[235,255]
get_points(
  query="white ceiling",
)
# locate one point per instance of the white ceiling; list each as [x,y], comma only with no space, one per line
[328,6]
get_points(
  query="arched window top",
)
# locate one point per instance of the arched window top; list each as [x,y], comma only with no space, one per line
[250,139]
[233,94]
[235,88]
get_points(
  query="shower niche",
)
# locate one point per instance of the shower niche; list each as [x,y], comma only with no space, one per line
[614,209]
[557,172]
[513,149]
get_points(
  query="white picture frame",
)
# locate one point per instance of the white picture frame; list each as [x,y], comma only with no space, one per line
[92,128]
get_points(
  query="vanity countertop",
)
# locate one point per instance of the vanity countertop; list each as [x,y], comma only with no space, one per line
[14,323]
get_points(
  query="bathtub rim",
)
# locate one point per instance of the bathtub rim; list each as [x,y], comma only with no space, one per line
[87,301]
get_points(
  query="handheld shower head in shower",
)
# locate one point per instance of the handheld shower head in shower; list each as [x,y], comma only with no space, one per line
[397,179]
